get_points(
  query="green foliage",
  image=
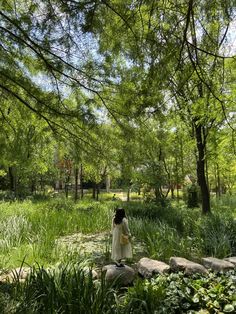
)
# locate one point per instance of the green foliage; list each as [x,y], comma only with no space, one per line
[29,230]
[177,230]
[162,211]
[176,293]
[63,289]
[192,196]
[14,230]
[71,289]
[218,235]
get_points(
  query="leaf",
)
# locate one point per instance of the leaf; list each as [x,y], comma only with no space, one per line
[195,299]
[228,308]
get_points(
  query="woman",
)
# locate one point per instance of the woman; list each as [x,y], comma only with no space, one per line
[121,246]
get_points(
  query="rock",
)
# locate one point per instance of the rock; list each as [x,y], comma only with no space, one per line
[94,273]
[123,275]
[231,259]
[19,273]
[217,264]
[189,267]
[148,267]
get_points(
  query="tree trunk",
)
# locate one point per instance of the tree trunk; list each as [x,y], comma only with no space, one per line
[206,168]
[128,194]
[172,190]
[177,190]
[66,190]
[108,183]
[218,185]
[94,191]
[67,186]
[177,177]
[182,159]
[158,194]
[76,183]
[11,179]
[201,170]
[81,182]
[97,191]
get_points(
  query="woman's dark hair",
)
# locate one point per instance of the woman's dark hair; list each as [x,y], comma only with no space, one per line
[119,215]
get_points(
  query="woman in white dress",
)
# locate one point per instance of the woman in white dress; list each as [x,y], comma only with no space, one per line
[121,248]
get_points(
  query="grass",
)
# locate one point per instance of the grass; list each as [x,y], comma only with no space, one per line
[29,230]
[66,288]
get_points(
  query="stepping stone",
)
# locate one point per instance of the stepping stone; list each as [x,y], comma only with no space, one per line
[19,273]
[231,259]
[189,267]
[123,275]
[217,264]
[148,267]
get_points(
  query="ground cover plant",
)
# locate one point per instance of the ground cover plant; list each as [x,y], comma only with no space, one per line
[177,293]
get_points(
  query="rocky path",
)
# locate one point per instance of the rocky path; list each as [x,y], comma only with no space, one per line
[145,267]
[148,268]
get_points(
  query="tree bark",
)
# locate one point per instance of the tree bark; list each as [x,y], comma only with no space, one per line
[177,177]
[11,178]
[76,183]
[128,194]
[97,191]
[94,191]
[201,170]
[218,185]
[81,182]
[108,183]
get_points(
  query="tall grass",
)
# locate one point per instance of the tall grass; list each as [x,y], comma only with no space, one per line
[178,231]
[64,289]
[29,230]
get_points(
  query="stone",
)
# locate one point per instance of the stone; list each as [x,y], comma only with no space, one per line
[93,272]
[217,264]
[148,267]
[19,273]
[231,259]
[189,267]
[122,275]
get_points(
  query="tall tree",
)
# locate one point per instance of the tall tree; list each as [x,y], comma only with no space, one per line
[174,52]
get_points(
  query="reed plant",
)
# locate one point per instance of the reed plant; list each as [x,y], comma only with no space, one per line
[65,289]
[30,229]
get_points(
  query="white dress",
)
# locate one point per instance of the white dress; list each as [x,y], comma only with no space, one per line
[118,250]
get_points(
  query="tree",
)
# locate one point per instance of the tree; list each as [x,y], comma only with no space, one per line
[171,50]
[27,149]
